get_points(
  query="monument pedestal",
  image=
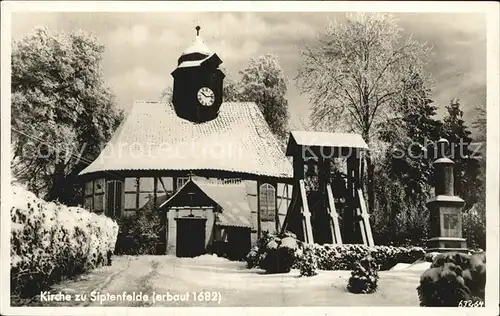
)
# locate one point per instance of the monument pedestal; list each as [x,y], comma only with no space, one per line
[446,224]
[446,244]
[445,210]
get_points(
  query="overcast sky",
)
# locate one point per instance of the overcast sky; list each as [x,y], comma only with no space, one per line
[142,48]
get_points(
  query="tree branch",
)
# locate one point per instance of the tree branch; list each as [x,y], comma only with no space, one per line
[388,64]
[379,102]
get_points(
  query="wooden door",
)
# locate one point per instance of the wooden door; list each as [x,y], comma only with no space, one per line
[239,243]
[190,236]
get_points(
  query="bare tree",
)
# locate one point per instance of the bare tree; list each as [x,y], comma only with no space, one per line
[480,121]
[355,73]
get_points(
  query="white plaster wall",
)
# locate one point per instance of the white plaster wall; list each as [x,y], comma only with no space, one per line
[172,227]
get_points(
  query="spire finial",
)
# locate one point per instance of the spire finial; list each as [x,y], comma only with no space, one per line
[198,30]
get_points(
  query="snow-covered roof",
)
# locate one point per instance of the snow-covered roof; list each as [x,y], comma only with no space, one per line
[231,197]
[153,137]
[197,63]
[324,139]
[198,46]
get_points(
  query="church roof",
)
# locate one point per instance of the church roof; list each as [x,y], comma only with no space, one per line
[153,137]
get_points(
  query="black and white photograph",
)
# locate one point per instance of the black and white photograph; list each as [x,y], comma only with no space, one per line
[237,154]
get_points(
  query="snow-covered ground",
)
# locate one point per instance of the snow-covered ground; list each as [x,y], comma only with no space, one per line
[179,282]
[419,266]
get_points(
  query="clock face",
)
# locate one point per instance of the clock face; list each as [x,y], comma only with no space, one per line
[206,96]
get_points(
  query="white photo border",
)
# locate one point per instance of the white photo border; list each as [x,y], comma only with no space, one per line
[490,9]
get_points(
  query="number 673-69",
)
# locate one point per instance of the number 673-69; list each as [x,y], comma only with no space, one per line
[471,303]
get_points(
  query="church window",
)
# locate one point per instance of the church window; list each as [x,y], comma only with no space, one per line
[267,199]
[114,194]
[94,195]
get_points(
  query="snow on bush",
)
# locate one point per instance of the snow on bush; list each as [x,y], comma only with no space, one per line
[452,279]
[364,277]
[308,264]
[345,257]
[275,253]
[50,241]
[334,257]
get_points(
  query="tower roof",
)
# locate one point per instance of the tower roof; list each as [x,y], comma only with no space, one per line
[197,52]
[198,46]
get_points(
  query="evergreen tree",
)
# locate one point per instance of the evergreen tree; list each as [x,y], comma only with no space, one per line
[264,83]
[405,173]
[62,111]
[467,167]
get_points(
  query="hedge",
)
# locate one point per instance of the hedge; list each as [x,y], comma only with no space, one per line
[51,241]
[339,257]
[344,257]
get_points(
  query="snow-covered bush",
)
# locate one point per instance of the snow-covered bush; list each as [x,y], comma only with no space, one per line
[345,257]
[253,258]
[333,257]
[364,277]
[139,234]
[280,255]
[50,241]
[258,252]
[275,253]
[453,278]
[308,263]
[430,256]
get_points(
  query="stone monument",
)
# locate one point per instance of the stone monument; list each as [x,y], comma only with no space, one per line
[445,208]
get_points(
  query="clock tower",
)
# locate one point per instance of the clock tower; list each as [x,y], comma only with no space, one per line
[197,92]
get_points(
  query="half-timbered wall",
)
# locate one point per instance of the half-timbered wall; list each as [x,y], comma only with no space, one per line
[283,200]
[255,197]
[137,191]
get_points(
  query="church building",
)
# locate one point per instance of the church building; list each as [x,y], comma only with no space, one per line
[212,169]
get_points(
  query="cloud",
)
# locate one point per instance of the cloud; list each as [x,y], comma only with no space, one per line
[142,48]
[136,84]
[136,35]
[170,37]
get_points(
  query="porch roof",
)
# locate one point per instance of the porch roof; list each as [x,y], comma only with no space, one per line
[230,197]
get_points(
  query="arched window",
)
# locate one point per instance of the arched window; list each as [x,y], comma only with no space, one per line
[267,199]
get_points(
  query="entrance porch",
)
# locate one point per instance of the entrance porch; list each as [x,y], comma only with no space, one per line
[207,218]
